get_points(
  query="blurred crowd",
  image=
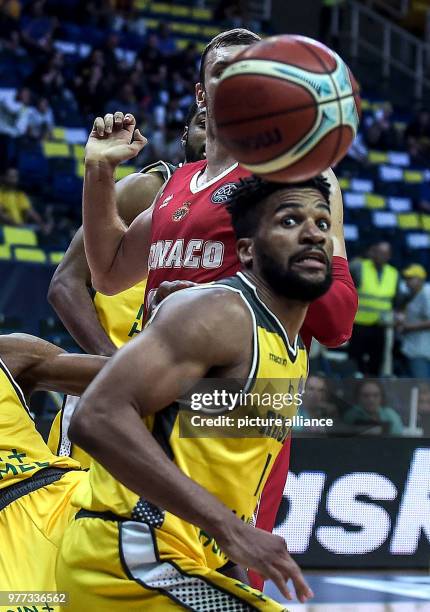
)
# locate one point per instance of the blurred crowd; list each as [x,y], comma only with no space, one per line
[365,407]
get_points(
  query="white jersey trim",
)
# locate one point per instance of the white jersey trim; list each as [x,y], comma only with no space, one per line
[193,182]
[293,348]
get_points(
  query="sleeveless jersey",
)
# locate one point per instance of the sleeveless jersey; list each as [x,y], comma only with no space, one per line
[234,469]
[192,237]
[22,449]
[121,315]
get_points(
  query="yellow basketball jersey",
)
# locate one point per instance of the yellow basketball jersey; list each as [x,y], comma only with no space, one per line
[232,468]
[121,317]
[22,449]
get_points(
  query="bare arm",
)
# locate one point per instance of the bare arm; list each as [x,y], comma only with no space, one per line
[117,255]
[182,348]
[69,291]
[39,365]
[336,207]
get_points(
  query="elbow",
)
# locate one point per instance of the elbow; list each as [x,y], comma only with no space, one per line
[57,291]
[82,428]
[105,285]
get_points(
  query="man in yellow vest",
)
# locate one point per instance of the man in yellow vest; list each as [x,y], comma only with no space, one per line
[377,285]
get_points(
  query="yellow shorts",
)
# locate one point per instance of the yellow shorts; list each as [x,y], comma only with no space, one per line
[31,529]
[109,565]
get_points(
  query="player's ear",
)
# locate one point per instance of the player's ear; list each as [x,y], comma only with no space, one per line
[245,251]
[200,96]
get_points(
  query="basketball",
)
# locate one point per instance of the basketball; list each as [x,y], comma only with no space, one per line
[287,108]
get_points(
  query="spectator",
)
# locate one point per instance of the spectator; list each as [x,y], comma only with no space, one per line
[14,113]
[38,32]
[414,323]
[126,101]
[377,284]
[15,204]
[424,408]
[316,403]
[379,129]
[166,42]
[40,120]
[371,412]
[417,137]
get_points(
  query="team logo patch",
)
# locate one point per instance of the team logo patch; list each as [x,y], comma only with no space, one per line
[181,212]
[222,194]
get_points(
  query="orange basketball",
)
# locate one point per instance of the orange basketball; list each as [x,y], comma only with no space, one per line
[287,108]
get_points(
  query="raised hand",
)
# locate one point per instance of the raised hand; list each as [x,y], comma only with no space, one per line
[114,139]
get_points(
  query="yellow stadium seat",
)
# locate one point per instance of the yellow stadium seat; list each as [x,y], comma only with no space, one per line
[78,152]
[80,169]
[400,125]
[425,222]
[158,7]
[59,133]
[142,4]
[152,24]
[56,149]
[210,32]
[374,201]
[19,235]
[343,183]
[413,176]
[180,11]
[123,171]
[365,104]
[55,258]
[377,157]
[202,14]
[5,251]
[32,255]
[408,221]
[185,28]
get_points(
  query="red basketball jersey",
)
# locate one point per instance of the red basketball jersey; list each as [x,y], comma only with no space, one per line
[192,237]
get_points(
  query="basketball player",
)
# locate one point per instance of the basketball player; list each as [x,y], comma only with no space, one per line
[156,520]
[187,235]
[103,323]
[35,485]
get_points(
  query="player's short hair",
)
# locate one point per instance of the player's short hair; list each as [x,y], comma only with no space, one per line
[244,204]
[192,111]
[230,38]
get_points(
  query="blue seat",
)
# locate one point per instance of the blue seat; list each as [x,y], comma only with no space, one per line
[33,169]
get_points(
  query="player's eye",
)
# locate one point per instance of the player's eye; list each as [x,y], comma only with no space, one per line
[323,225]
[289,221]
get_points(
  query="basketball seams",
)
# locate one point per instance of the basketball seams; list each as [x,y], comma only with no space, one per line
[339,104]
[285,112]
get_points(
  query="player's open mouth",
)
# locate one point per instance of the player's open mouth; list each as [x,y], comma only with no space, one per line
[312,260]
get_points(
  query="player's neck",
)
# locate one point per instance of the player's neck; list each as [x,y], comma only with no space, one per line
[290,313]
[217,157]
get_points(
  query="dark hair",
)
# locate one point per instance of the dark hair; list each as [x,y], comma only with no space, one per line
[230,38]
[191,113]
[245,202]
[370,381]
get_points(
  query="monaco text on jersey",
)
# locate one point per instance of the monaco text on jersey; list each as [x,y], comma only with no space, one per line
[194,253]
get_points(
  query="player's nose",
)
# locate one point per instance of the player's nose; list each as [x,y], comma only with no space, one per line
[311,233]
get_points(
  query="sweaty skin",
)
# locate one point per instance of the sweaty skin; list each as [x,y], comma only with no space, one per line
[37,365]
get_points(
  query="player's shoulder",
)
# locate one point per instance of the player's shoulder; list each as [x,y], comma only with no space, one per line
[219,303]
